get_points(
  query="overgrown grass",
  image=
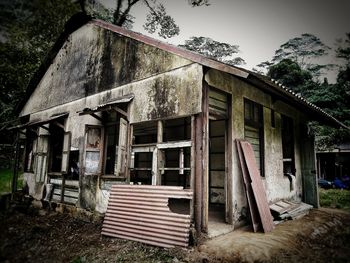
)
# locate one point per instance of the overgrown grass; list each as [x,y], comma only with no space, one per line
[6,180]
[335,198]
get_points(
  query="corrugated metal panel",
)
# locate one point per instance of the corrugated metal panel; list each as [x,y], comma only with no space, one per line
[141,213]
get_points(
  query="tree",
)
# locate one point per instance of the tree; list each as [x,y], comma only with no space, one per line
[208,47]
[157,20]
[290,74]
[303,50]
[343,50]
[28,30]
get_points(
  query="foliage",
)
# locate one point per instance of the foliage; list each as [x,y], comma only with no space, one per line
[335,198]
[343,50]
[291,66]
[28,30]
[208,47]
[157,19]
[290,74]
[6,181]
[302,50]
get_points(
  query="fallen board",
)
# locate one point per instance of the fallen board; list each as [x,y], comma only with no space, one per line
[289,209]
[257,186]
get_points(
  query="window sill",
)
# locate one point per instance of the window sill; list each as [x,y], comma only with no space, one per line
[113,177]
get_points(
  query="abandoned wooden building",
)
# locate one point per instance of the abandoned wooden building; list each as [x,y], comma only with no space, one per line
[113,107]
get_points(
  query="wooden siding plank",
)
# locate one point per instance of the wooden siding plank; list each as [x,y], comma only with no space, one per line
[249,191]
[258,188]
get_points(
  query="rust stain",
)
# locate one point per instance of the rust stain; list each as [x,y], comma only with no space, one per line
[141,213]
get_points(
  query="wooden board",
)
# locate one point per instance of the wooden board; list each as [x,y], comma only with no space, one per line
[257,186]
[254,213]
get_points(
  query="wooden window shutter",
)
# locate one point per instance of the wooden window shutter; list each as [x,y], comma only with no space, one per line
[65,152]
[119,168]
[93,149]
[41,158]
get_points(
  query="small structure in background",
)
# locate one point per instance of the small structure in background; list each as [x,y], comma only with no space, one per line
[334,163]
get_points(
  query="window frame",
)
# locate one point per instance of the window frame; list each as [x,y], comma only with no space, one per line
[257,124]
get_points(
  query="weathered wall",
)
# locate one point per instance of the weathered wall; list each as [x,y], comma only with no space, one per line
[277,185]
[96,66]
[94,60]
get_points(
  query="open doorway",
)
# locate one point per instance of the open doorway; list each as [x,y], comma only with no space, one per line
[219,152]
[217,159]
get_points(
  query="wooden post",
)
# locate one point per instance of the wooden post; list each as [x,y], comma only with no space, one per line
[205,157]
[228,176]
[193,156]
[158,155]
[128,152]
[198,173]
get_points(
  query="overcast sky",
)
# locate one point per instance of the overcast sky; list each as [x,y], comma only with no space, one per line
[259,27]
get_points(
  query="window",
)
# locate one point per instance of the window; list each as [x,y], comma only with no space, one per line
[30,149]
[40,162]
[254,131]
[107,144]
[115,143]
[161,153]
[288,145]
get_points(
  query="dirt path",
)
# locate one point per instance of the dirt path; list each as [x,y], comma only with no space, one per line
[34,236]
[321,236]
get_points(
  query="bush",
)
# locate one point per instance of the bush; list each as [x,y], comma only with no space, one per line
[335,198]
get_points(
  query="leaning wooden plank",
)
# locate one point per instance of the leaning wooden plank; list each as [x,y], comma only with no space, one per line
[249,191]
[258,188]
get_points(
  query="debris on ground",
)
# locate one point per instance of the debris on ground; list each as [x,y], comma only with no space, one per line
[283,210]
[32,235]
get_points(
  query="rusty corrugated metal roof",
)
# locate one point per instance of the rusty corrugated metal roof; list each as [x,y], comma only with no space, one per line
[100,107]
[80,20]
[141,213]
[208,62]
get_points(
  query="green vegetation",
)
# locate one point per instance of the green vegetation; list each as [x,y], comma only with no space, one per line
[293,66]
[5,180]
[335,198]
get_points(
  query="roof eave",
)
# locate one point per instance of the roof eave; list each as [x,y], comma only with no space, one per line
[290,97]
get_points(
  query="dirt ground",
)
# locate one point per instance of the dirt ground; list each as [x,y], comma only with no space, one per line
[31,235]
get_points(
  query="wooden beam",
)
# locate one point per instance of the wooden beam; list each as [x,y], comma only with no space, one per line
[128,152]
[119,110]
[44,127]
[229,174]
[205,157]
[160,154]
[178,144]
[198,174]
[155,167]
[143,149]
[96,116]
[193,156]
[58,124]
[159,132]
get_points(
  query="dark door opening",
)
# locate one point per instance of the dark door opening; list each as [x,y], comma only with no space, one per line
[217,170]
